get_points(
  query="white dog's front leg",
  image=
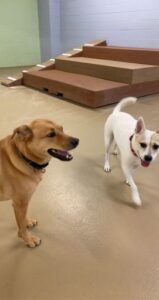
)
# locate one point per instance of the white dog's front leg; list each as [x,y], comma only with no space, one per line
[134,190]
[107,165]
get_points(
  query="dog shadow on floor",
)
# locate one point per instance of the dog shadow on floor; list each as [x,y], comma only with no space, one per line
[114,186]
[120,193]
[110,186]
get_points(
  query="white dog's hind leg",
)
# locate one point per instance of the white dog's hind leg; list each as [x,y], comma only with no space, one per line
[108,142]
[134,191]
[115,149]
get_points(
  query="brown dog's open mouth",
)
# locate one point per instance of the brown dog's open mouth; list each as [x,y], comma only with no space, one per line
[60,154]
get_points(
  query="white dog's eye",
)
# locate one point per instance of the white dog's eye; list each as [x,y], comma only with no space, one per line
[155,146]
[143,145]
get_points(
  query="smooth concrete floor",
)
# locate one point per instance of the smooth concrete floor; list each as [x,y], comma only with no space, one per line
[95,244]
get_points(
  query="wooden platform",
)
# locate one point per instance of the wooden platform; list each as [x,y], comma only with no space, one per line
[83,89]
[86,90]
[95,74]
[108,69]
[132,55]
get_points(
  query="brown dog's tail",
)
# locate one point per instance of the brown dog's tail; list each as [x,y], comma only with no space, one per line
[124,102]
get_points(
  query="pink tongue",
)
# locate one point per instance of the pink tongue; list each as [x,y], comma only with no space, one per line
[61,152]
[145,163]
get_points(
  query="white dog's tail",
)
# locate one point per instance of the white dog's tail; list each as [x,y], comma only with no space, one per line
[124,102]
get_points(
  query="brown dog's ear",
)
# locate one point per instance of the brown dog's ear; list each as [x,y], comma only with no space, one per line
[24,132]
[140,126]
[157,131]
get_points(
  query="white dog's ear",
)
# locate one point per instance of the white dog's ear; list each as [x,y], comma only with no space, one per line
[140,126]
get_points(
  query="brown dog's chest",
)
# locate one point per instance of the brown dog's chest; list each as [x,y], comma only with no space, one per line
[17,186]
[16,178]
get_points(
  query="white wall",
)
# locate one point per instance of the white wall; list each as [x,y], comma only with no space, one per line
[120,22]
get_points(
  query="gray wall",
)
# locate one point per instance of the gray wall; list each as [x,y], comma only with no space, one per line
[44,29]
[49,27]
[65,24]
[55,21]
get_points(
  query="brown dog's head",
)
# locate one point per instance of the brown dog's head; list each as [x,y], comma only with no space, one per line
[43,139]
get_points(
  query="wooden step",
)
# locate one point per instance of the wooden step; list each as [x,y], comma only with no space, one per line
[83,89]
[86,90]
[108,69]
[135,55]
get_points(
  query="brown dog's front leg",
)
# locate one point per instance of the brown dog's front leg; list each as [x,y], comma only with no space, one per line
[20,209]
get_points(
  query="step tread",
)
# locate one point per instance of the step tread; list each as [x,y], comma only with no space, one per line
[112,63]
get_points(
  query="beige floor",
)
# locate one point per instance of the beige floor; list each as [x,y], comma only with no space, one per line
[95,244]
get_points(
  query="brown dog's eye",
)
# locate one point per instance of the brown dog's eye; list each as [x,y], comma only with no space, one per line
[51,134]
[155,146]
[143,145]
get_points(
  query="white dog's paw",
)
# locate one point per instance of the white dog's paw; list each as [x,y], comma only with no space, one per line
[107,168]
[136,199]
[115,150]
[127,182]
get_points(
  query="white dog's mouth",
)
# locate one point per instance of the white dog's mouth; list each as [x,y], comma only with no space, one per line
[60,154]
[145,163]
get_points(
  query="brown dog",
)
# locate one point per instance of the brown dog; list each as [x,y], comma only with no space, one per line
[24,155]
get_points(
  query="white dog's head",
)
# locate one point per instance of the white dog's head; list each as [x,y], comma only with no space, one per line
[145,143]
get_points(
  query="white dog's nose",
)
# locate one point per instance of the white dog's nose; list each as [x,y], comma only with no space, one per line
[148,157]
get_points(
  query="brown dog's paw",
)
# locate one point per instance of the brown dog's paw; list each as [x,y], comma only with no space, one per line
[32,241]
[31,223]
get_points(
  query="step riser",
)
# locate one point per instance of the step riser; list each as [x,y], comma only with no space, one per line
[95,71]
[141,56]
[79,95]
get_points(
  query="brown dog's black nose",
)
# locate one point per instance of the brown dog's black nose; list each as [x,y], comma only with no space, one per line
[74,142]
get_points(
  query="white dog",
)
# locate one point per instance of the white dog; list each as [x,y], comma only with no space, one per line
[137,145]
